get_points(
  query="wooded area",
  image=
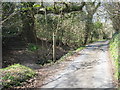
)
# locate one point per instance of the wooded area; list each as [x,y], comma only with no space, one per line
[43,32]
[71,24]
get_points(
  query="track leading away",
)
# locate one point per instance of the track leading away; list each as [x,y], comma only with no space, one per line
[90,69]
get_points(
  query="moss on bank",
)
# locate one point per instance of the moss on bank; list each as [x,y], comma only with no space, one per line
[15,74]
[70,53]
[114,51]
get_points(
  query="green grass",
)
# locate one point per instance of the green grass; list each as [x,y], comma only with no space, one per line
[70,53]
[114,49]
[15,74]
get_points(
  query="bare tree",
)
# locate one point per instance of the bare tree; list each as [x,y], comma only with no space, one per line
[113,10]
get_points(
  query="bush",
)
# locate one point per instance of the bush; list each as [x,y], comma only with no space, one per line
[15,74]
[32,47]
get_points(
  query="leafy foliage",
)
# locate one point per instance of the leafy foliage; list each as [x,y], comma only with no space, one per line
[32,47]
[98,25]
[38,22]
[13,25]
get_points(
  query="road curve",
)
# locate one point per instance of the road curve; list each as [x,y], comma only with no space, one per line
[90,69]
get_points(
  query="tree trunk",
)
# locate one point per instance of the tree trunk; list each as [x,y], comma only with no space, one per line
[28,19]
[54,47]
[89,16]
[88,28]
[29,30]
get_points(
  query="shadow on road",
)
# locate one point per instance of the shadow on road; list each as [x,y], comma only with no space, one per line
[99,45]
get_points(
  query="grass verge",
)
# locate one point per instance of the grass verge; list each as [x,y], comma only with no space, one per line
[15,74]
[114,52]
[70,53]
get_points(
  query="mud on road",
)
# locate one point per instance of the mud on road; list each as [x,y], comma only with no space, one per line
[91,68]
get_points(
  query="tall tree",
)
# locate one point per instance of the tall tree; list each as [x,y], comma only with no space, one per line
[91,8]
[113,10]
[27,16]
[28,11]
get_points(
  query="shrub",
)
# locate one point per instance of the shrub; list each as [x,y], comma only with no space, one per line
[32,47]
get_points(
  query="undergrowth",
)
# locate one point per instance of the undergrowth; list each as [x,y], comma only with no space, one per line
[114,51]
[15,74]
[63,58]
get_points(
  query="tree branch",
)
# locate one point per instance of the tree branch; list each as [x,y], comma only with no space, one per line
[14,13]
[96,7]
[67,9]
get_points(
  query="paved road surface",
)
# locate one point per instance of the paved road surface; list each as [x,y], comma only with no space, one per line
[90,69]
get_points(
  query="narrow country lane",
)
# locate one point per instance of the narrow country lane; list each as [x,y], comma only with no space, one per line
[90,69]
